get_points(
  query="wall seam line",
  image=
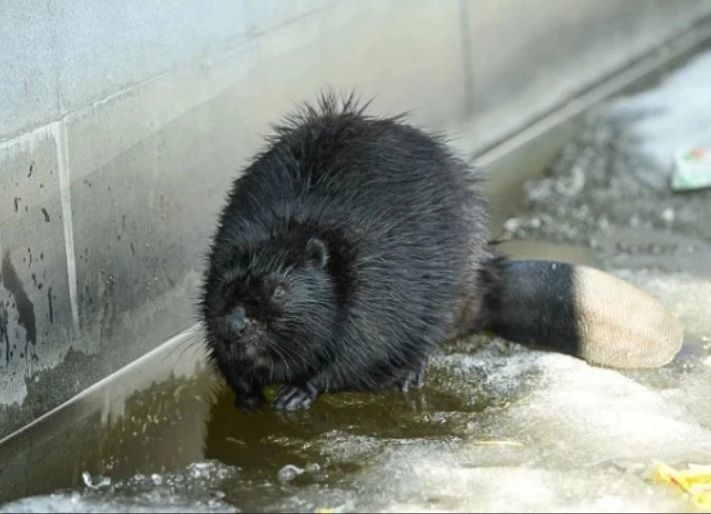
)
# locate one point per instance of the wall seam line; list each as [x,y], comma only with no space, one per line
[60,134]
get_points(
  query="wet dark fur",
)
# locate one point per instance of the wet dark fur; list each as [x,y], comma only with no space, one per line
[374,233]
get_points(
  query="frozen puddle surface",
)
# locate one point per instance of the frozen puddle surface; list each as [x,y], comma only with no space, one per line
[192,489]
[545,432]
[570,438]
[500,427]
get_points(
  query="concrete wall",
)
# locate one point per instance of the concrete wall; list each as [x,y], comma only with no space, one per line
[123,123]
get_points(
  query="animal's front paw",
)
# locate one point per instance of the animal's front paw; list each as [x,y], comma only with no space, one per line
[294,397]
[249,403]
[413,378]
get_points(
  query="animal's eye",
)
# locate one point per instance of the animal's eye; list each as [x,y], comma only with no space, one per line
[279,292]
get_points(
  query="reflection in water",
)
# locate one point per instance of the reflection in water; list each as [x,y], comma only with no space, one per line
[261,444]
[167,428]
[160,428]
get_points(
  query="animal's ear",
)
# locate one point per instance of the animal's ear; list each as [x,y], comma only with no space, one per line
[317,252]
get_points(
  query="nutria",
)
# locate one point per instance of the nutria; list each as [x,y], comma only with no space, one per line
[353,245]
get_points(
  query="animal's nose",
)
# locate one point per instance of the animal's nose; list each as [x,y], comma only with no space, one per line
[236,321]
